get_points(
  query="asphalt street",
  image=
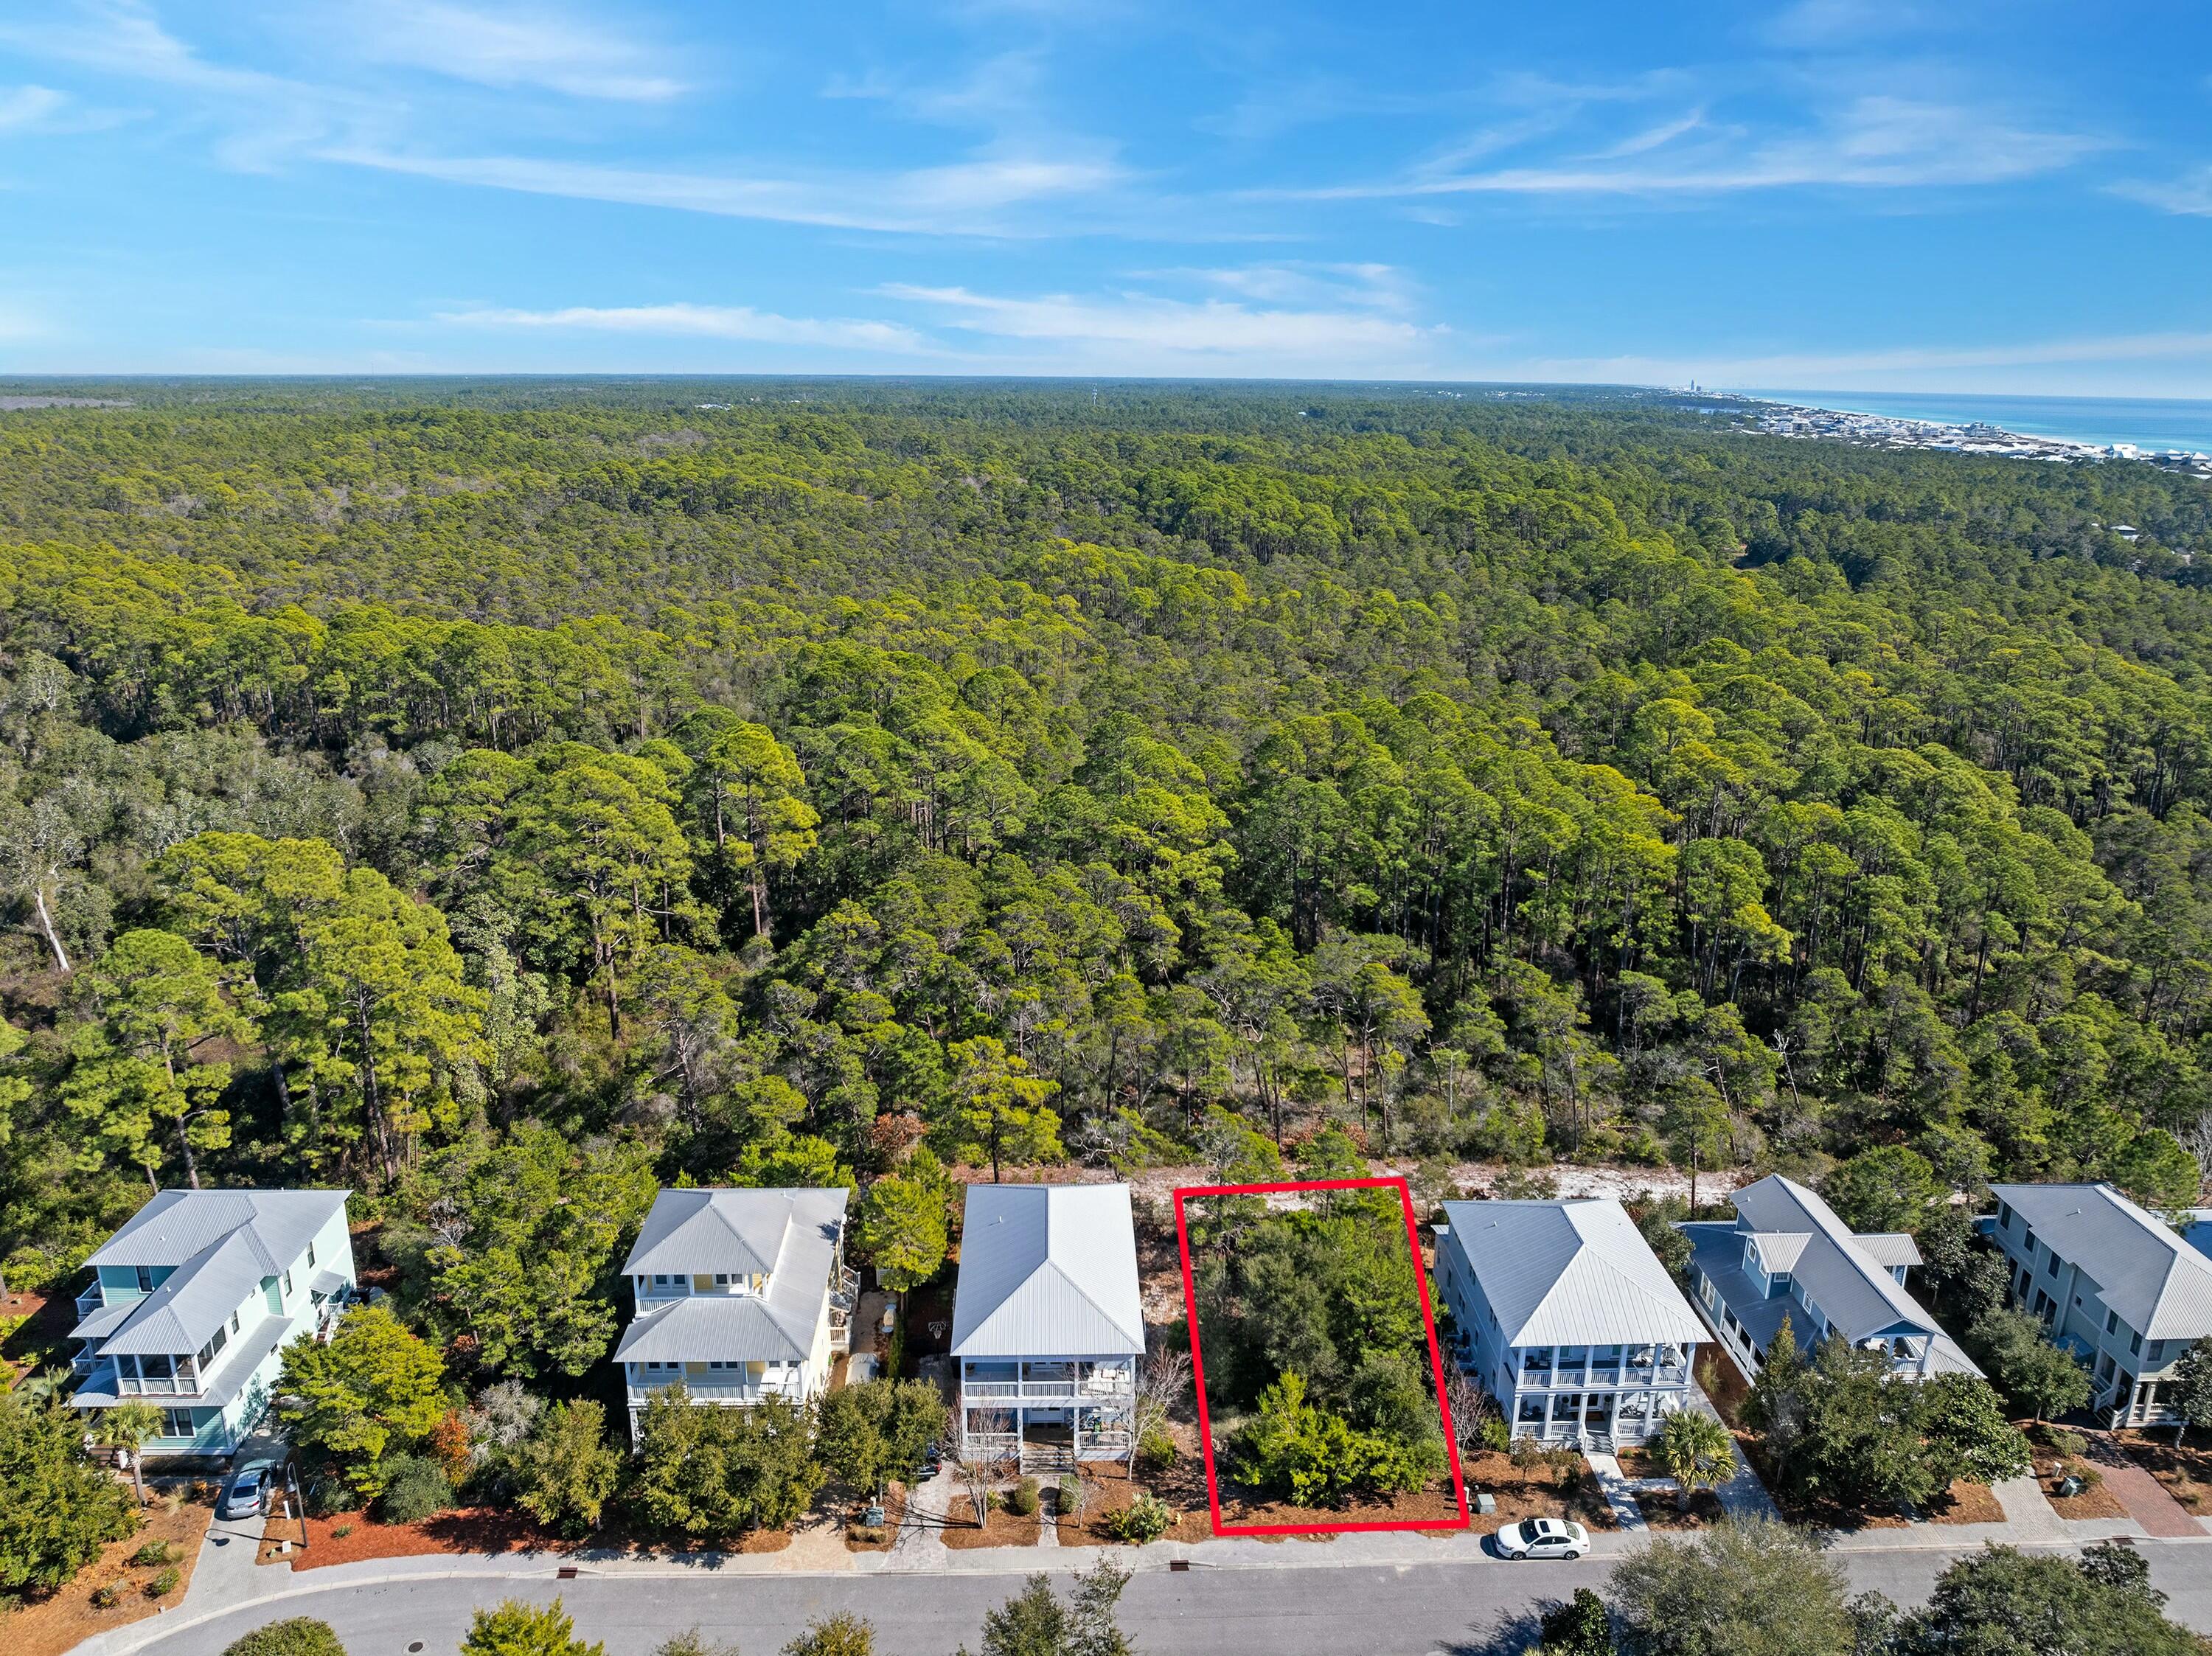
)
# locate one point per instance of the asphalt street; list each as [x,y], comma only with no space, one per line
[1414,1609]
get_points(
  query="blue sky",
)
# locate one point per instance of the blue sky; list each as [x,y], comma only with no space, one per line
[1837,193]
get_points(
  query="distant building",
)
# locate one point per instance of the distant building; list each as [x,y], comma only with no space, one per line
[1787,1256]
[1564,1315]
[1048,1325]
[2114,1285]
[194,1300]
[742,1295]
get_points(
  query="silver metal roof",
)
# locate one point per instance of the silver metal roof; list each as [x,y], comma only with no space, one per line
[1890,1249]
[741,1231]
[180,1223]
[221,1246]
[792,1235]
[1048,1271]
[2160,1286]
[1780,1249]
[1572,1272]
[715,1328]
[1851,1284]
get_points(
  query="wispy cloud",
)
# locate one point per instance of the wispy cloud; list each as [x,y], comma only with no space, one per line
[962,199]
[26,107]
[735,322]
[1882,366]
[1136,331]
[1875,141]
[506,46]
[2190,194]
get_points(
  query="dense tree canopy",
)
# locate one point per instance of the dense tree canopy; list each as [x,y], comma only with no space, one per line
[755,792]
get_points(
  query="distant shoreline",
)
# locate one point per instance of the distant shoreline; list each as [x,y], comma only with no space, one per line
[2171,432]
[1867,428]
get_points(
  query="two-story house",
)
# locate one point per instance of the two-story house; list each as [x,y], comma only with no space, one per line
[741,1295]
[1048,1325]
[1563,1314]
[1787,1255]
[193,1301]
[2115,1286]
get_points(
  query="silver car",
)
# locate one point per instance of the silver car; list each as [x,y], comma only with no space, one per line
[1544,1537]
[248,1494]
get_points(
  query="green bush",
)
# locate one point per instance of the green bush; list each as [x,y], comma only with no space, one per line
[2066,1442]
[329,1492]
[415,1487]
[1144,1520]
[1298,1451]
[106,1598]
[156,1552]
[300,1635]
[1156,1449]
[1070,1496]
[164,1583]
[1023,1502]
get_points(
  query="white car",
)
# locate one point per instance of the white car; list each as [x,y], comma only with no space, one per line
[248,1494]
[1543,1537]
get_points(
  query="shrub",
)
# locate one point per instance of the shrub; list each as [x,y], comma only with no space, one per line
[298,1635]
[106,1598]
[329,1492]
[164,1583]
[1023,1502]
[415,1487]
[338,1533]
[2066,1442]
[868,1535]
[156,1552]
[1144,1520]
[1494,1433]
[1070,1496]
[1156,1449]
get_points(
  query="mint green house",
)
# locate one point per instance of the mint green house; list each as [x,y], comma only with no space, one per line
[193,1300]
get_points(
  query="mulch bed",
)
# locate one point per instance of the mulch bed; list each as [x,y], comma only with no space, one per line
[2095,1501]
[1432,1505]
[1003,1529]
[894,1515]
[2185,1469]
[464,1530]
[1113,1489]
[1663,1510]
[1966,1503]
[1534,1493]
[64,1619]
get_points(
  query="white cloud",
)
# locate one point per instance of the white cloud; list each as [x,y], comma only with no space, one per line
[1874,141]
[1136,332]
[2190,194]
[739,322]
[26,107]
[505,46]
[964,199]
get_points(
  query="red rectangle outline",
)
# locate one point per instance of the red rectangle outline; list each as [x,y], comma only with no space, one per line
[1465,1519]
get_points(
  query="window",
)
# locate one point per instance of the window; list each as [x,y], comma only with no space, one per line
[177,1422]
[310,1255]
[722,1279]
[2004,1216]
[234,1322]
[220,1338]
[2027,1236]
[2051,1266]
[2111,1322]
[145,1279]
[2157,1350]
[2134,1345]
[660,1279]
[288,1284]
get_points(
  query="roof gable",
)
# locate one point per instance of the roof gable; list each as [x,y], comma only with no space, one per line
[1574,1272]
[1048,1271]
[2160,1285]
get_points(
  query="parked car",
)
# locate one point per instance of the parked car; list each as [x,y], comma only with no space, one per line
[1543,1537]
[248,1494]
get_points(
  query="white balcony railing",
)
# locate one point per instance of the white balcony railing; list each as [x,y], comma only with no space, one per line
[89,1301]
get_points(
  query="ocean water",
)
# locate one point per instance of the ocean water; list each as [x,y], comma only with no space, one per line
[2150,423]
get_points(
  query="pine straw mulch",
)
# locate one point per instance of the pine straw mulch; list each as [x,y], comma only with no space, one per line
[67,1616]
[1534,1493]
[1965,1503]
[1107,1489]
[1002,1529]
[894,1515]
[2095,1501]
[1663,1510]
[469,1530]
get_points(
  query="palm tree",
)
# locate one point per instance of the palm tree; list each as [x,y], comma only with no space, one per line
[1696,1451]
[126,1426]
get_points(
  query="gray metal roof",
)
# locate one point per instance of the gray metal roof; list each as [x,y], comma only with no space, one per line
[1890,1249]
[1852,1286]
[1572,1272]
[694,1231]
[2161,1287]
[1781,1249]
[1048,1271]
[715,1328]
[220,1246]
[180,1223]
[741,1231]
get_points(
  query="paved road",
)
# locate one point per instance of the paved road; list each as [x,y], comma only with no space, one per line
[1418,1610]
